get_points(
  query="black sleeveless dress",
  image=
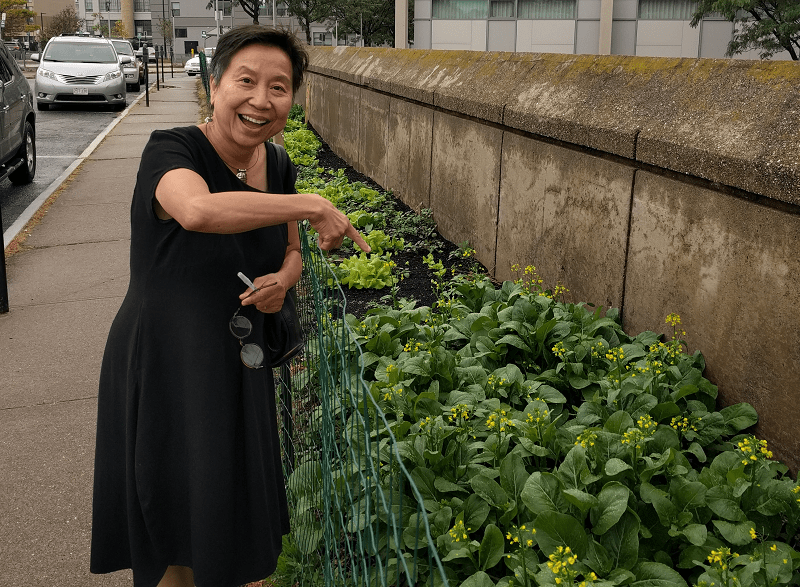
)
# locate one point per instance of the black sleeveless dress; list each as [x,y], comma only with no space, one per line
[187,463]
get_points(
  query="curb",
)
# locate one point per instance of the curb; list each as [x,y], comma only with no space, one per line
[13,230]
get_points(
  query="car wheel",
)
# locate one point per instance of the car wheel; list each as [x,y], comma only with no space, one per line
[190,73]
[42,106]
[25,172]
[136,87]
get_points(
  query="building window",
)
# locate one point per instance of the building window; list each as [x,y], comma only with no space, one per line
[266,9]
[225,6]
[143,28]
[109,5]
[325,39]
[87,4]
[181,33]
[546,9]
[502,8]
[141,5]
[460,9]
[667,9]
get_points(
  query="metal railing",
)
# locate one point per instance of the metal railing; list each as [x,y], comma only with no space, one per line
[357,518]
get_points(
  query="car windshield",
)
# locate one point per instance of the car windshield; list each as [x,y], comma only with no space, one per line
[80,53]
[123,48]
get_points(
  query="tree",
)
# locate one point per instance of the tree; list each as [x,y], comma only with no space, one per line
[308,11]
[250,7]
[373,20]
[165,28]
[101,27]
[767,26]
[120,31]
[17,18]
[64,21]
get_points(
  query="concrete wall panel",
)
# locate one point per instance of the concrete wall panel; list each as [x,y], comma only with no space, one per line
[373,136]
[626,9]
[409,153]
[348,124]
[566,213]
[589,9]
[731,270]
[546,36]
[465,178]
[587,38]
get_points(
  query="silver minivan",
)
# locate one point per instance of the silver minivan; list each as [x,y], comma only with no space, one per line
[80,70]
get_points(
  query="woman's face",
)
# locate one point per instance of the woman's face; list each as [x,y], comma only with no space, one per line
[253,98]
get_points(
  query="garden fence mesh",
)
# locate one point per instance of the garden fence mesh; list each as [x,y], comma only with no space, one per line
[357,518]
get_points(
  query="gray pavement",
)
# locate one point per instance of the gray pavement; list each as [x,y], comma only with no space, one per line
[65,287]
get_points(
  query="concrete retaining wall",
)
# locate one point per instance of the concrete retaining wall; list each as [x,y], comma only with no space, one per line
[648,184]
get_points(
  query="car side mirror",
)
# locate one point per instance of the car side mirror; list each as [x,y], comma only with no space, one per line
[34,56]
[125,59]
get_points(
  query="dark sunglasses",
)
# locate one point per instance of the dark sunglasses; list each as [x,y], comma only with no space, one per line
[252,355]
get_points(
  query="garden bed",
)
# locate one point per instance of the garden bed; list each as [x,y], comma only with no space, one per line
[548,446]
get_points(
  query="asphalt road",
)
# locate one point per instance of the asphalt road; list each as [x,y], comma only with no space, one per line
[62,134]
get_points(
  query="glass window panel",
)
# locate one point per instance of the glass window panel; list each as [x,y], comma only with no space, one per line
[143,28]
[460,9]
[181,33]
[88,5]
[141,5]
[501,9]
[667,9]
[546,9]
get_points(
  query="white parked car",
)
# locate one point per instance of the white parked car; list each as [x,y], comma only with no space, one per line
[192,66]
[134,71]
[80,70]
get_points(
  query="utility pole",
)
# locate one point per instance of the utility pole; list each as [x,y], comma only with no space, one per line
[401,24]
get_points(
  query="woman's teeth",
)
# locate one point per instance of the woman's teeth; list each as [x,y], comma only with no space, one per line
[253,120]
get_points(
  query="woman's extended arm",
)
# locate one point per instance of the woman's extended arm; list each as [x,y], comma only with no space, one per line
[184,196]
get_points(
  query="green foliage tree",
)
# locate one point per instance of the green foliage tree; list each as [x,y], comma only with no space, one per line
[308,11]
[767,26]
[17,17]
[120,31]
[64,21]
[250,7]
[372,19]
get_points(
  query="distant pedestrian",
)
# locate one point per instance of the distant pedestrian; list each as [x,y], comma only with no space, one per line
[188,484]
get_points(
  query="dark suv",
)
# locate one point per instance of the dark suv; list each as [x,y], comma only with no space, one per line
[17,123]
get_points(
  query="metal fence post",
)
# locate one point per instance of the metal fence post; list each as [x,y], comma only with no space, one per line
[3,278]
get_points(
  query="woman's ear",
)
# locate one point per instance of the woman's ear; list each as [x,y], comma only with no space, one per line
[212,85]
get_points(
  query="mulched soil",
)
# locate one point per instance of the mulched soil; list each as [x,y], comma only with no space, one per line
[417,283]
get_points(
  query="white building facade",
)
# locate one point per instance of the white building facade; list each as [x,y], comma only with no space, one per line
[653,28]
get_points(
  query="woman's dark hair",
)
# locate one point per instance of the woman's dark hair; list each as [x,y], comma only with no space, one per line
[254,34]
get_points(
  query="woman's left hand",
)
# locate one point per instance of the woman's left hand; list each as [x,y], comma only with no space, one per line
[269,294]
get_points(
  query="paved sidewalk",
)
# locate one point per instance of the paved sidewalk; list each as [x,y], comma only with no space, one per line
[64,290]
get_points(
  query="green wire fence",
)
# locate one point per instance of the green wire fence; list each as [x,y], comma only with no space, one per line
[357,518]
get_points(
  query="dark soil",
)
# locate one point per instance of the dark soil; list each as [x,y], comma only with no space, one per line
[416,285]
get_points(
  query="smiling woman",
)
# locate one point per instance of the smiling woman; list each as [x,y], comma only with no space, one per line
[188,479]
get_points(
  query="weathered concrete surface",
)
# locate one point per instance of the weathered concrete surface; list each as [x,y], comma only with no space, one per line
[465,181]
[728,121]
[731,270]
[409,153]
[345,122]
[373,136]
[564,162]
[566,213]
